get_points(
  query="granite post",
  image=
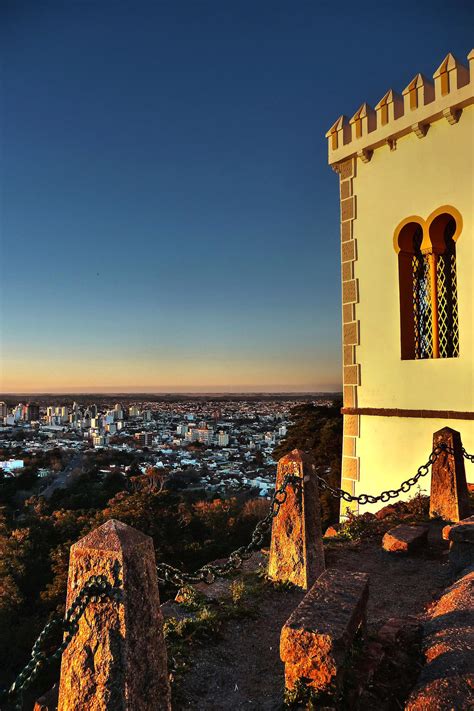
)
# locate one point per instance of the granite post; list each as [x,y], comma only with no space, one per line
[449,496]
[296,551]
[117,659]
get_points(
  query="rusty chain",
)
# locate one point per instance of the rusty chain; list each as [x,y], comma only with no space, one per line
[95,589]
[468,456]
[404,486]
[385,496]
[98,588]
[209,572]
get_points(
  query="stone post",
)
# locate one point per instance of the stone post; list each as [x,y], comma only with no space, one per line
[117,659]
[449,495]
[296,551]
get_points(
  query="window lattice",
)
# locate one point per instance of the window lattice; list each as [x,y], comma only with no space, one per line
[423,327]
[447,305]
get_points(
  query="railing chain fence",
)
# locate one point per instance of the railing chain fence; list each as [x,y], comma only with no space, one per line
[209,572]
[96,588]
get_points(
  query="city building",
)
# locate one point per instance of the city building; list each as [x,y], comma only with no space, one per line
[222,439]
[143,439]
[12,465]
[3,409]
[407,223]
[32,412]
[100,440]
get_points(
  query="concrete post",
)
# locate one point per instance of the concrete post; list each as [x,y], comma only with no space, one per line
[296,551]
[449,496]
[117,659]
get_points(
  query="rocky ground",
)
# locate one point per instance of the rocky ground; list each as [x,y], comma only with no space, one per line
[236,663]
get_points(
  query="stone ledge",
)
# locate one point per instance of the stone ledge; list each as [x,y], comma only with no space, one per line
[404,538]
[317,636]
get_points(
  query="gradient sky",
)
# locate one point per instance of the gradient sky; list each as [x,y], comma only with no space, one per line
[168,218]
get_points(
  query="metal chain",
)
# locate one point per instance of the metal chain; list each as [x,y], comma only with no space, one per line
[209,572]
[390,493]
[96,588]
[468,456]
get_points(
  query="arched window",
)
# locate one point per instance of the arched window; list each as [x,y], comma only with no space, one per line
[442,231]
[429,324]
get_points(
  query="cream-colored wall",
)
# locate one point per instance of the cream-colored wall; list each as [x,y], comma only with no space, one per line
[415,179]
[392,448]
[418,177]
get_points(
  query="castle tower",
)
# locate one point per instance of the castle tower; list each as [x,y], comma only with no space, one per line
[407,223]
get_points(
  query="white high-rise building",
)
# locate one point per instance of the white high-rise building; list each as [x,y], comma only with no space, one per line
[222,439]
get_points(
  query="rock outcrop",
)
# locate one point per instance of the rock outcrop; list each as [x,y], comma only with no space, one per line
[447,680]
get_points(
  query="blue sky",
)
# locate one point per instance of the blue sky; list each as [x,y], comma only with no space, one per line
[168,218]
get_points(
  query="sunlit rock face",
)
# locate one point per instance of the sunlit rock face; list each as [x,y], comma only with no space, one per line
[296,551]
[405,538]
[117,659]
[447,680]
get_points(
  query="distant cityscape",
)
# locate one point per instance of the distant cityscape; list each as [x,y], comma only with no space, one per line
[223,446]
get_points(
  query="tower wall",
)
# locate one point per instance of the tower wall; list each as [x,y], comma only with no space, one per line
[408,159]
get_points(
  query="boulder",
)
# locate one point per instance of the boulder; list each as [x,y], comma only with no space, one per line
[386,511]
[461,544]
[332,531]
[464,522]
[404,538]
[447,680]
[395,627]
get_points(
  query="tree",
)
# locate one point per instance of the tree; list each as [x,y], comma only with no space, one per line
[318,430]
[157,478]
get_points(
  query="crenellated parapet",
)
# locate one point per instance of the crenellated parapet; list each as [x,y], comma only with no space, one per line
[421,103]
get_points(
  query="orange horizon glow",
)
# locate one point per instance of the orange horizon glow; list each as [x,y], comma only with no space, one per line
[63,375]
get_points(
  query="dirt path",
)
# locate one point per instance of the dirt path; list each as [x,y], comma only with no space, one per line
[243,670]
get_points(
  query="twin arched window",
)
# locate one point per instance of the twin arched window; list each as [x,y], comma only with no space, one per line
[429,323]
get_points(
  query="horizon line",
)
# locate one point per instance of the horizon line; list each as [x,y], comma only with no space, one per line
[113,391]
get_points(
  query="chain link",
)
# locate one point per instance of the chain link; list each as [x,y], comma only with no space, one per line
[99,588]
[468,456]
[96,588]
[389,494]
[209,572]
